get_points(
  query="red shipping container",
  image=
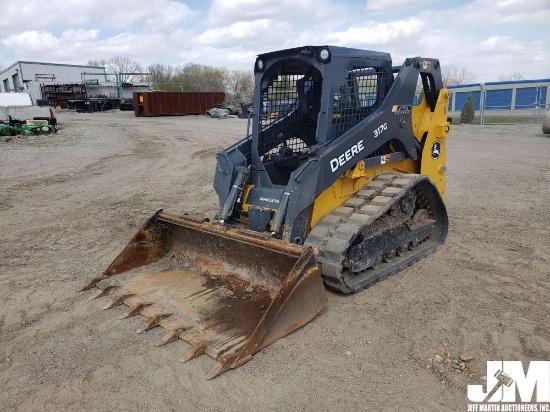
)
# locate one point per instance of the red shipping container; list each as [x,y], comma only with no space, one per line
[175,103]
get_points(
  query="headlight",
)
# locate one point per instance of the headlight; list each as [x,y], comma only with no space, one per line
[324,54]
[260,64]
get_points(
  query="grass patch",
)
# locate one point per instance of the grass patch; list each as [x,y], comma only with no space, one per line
[492,119]
[500,119]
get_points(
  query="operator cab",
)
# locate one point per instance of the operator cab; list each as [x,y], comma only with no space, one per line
[310,96]
[290,100]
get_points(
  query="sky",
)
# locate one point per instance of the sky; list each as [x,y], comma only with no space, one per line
[490,37]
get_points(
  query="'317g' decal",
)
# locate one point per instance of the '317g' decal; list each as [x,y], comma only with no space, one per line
[380,129]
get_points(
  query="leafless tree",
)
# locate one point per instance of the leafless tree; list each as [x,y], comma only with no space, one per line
[119,65]
[97,63]
[511,77]
[3,67]
[453,75]
[126,66]
[241,84]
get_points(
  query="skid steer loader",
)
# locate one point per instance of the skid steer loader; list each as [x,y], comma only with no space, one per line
[341,183]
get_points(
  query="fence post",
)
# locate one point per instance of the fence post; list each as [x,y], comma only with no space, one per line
[538,102]
[481,102]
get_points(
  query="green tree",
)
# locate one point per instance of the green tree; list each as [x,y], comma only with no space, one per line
[162,77]
[213,79]
[467,114]
[193,77]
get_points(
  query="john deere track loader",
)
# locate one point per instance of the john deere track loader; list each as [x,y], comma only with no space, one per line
[341,183]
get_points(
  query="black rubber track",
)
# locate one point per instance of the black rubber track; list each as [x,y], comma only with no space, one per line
[335,234]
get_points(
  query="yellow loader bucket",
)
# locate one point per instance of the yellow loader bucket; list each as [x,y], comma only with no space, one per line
[229,292]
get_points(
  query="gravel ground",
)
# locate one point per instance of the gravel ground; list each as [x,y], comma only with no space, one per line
[70,202]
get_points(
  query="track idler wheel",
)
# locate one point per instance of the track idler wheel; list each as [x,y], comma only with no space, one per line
[389,256]
[401,250]
[377,262]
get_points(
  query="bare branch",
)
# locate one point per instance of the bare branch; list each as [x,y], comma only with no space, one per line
[510,77]
[453,75]
[119,65]
[241,83]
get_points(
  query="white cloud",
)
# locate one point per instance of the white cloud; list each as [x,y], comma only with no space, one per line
[503,12]
[228,11]
[158,14]
[227,35]
[377,33]
[489,36]
[80,46]
[42,42]
[246,34]
[235,57]
[504,54]
[392,6]
[503,48]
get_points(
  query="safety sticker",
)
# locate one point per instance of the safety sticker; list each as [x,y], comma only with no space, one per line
[384,159]
[427,65]
[436,150]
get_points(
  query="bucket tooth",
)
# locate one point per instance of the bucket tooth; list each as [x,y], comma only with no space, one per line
[153,321]
[102,292]
[118,300]
[92,283]
[193,352]
[170,336]
[218,369]
[135,309]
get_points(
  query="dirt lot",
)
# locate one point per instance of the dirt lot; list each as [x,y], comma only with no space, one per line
[70,202]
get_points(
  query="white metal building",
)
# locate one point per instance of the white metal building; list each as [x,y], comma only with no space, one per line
[61,83]
[24,76]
